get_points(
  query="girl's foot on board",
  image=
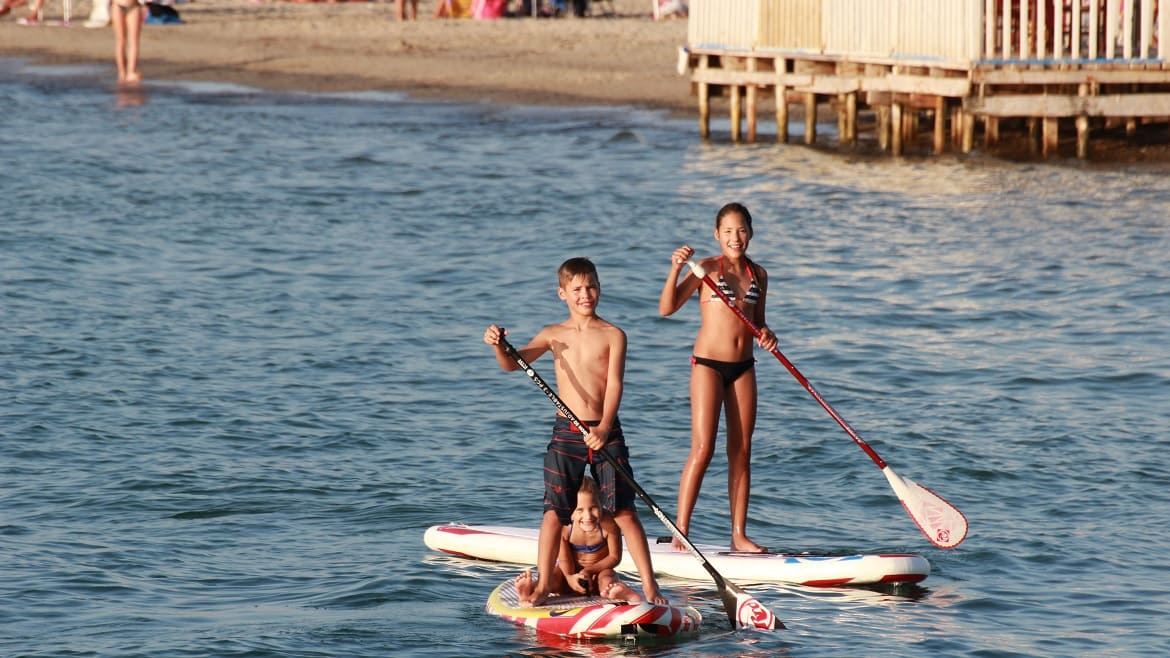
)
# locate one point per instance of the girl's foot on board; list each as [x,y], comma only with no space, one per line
[524,585]
[745,545]
[617,591]
[528,592]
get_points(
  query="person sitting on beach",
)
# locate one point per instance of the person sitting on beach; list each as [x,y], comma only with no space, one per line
[590,547]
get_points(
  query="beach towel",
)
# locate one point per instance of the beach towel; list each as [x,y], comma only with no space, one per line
[454,9]
[486,9]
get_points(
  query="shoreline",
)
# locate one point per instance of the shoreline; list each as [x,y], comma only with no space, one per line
[626,60]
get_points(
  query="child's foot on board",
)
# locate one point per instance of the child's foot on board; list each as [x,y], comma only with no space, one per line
[528,592]
[742,544]
[650,589]
[618,591]
[524,584]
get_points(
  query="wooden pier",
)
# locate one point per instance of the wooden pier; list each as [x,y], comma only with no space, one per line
[945,68]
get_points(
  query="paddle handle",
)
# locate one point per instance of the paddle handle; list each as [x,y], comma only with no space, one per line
[701,273]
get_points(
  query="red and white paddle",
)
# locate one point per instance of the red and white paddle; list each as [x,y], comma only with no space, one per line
[942,523]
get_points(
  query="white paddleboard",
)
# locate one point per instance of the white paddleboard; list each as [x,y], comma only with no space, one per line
[518,546]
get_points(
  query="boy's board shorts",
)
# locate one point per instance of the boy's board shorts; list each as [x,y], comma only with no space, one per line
[564,468]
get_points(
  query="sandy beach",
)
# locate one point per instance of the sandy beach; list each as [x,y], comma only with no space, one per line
[628,58]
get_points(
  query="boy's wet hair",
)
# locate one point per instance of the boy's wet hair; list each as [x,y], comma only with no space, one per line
[734,207]
[578,266]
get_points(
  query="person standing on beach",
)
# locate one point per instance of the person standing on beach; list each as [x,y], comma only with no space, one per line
[402,10]
[589,357]
[34,11]
[127,16]
[723,371]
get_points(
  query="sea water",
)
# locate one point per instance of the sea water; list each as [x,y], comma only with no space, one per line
[242,371]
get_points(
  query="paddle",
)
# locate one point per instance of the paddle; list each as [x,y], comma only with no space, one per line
[743,610]
[942,523]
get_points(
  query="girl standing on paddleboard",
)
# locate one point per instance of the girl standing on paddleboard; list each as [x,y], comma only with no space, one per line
[723,375]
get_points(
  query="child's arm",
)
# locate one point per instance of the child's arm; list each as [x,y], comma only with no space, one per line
[676,293]
[530,352]
[567,563]
[615,378]
[613,539]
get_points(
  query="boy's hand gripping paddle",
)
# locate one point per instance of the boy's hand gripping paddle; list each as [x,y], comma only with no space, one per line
[743,610]
[942,523]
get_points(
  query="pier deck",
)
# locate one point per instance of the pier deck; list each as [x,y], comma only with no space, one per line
[950,68]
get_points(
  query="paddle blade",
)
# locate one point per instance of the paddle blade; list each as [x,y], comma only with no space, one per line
[744,611]
[942,523]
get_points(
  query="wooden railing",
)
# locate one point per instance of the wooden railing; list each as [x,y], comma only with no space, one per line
[961,31]
[1075,30]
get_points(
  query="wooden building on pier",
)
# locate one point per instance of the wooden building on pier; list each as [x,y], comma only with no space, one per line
[950,67]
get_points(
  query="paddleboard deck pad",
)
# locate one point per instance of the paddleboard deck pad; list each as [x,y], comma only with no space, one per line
[518,546]
[591,617]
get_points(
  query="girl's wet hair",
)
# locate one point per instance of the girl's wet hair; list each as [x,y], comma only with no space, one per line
[579,266]
[588,486]
[738,208]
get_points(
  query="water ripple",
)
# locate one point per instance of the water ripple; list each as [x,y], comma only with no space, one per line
[240,380]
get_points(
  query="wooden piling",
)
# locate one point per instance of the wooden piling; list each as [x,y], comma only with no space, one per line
[940,121]
[704,99]
[896,125]
[810,118]
[736,113]
[781,68]
[1082,123]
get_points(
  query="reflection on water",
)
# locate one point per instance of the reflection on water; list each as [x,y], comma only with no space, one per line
[130,95]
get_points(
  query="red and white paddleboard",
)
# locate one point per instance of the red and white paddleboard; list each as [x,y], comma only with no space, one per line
[591,617]
[518,546]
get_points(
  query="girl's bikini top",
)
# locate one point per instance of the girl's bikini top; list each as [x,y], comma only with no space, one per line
[752,296]
[589,548]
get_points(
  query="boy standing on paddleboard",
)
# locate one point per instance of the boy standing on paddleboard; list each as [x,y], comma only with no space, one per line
[589,356]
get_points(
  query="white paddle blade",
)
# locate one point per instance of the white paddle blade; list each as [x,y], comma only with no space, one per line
[750,613]
[942,523]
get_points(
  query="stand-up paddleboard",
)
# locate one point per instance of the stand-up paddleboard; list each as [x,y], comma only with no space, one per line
[592,617]
[518,546]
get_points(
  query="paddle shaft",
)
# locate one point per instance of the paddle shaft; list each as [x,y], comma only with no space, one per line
[731,606]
